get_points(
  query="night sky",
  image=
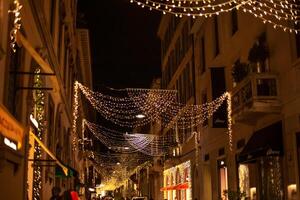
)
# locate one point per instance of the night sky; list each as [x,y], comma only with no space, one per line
[124,43]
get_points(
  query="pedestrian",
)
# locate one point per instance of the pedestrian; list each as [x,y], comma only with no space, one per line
[55,193]
[67,195]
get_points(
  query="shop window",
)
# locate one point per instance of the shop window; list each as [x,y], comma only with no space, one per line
[292,192]
[223,178]
[271,178]
[244,179]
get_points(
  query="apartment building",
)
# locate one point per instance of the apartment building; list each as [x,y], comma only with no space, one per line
[204,57]
[36,97]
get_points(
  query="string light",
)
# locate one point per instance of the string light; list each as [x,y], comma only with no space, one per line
[278,13]
[39,114]
[17,24]
[115,169]
[156,105]
[229,121]
[113,140]
[75,115]
[123,110]
[146,143]
[149,144]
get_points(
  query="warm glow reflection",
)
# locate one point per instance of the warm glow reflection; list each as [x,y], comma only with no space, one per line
[292,192]
[244,181]
[253,193]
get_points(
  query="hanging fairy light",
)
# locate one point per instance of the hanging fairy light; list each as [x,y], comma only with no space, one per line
[75,115]
[116,169]
[39,114]
[280,14]
[229,120]
[155,105]
[17,24]
[149,144]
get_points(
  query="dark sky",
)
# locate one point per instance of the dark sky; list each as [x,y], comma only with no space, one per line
[125,46]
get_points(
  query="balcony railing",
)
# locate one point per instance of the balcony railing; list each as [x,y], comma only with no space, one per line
[257,93]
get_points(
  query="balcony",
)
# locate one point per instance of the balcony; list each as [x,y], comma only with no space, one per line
[254,97]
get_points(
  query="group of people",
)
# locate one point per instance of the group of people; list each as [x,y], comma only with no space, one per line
[67,195]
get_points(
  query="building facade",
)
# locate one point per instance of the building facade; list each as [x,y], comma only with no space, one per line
[204,57]
[36,96]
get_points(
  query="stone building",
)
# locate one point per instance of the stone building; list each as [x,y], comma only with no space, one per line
[36,97]
[204,57]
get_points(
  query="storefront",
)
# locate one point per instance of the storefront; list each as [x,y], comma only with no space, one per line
[177,182]
[11,131]
[260,164]
[11,155]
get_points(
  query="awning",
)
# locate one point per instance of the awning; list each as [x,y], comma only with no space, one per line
[60,173]
[180,186]
[63,167]
[265,142]
[44,65]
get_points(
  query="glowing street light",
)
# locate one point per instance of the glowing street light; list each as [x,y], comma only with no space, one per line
[140,116]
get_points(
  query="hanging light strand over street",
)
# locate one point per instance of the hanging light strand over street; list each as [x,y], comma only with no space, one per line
[280,14]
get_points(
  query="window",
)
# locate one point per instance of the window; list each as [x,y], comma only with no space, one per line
[223,178]
[244,179]
[204,100]
[216,34]
[234,21]
[202,53]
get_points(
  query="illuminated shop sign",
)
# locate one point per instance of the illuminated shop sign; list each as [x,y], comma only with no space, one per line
[11,130]
[10,143]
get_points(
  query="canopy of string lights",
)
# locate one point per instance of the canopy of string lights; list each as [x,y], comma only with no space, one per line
[116,168]
[284,14]
[148,144]
[136,109]
[155,106]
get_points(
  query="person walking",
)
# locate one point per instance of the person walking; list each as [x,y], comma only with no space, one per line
[55,193]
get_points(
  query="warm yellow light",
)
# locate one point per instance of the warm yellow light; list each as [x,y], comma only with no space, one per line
[140,116]
[65,169]
[10,143]
[253,193]
[292,191]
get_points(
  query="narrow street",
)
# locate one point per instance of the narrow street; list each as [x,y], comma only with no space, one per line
[149,100]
